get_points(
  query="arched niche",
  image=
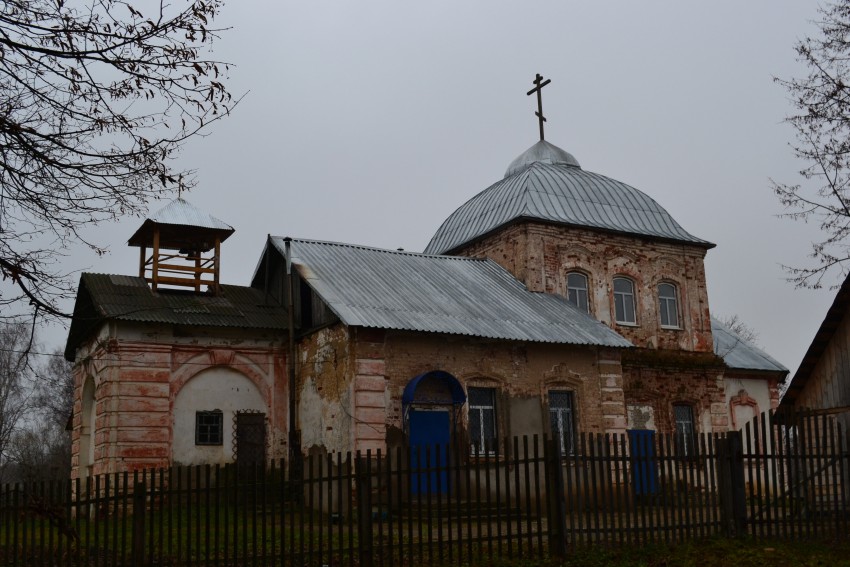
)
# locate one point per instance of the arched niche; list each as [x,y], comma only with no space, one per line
[219,394]
[88,420]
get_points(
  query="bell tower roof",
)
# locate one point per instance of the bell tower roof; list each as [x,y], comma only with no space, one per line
[193,240]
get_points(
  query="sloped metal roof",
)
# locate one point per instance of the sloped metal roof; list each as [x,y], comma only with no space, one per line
[547,184]
[371,287]
[182,212]
[104,297]
[738,354]
[173,220]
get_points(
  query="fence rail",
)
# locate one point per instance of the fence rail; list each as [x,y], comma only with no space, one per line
[434,505]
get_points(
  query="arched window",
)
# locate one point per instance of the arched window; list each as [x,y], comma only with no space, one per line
[668,305]
[624,301]
[577,290]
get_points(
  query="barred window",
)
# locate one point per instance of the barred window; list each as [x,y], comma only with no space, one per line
[209,427]
[562,419]
[482,419]
[685,432]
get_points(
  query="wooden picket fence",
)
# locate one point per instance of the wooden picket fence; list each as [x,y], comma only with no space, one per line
[782,476]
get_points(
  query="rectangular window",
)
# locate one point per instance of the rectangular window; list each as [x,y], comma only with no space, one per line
[562,419]
[685,432]
[624,301]
[209,427]
[669,305]
[577,290]
[482,420]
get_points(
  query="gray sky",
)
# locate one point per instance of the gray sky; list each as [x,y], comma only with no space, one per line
[370,122]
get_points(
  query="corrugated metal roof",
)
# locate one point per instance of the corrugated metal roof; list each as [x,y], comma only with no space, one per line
[104,297]
[182,212]
[553,189]
[389,289]
[181,225]
[738,354]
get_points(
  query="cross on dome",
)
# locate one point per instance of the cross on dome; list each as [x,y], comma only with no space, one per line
[539,84]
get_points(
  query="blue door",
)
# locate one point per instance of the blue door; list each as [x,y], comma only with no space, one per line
[429,441]
[644,465]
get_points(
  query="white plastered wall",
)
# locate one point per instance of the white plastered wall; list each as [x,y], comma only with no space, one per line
[221,389]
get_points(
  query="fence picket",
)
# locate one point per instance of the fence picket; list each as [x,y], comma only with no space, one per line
[438,504]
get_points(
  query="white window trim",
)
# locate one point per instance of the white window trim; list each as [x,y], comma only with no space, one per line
[560,413]
[675,299]
[474,447]
[586,289]
[633,295]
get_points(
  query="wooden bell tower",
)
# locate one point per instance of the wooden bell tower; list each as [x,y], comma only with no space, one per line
[185,248]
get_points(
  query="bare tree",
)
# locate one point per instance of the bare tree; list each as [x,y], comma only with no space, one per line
[96,98]
[14,371]
[53,395]
[737,326]
[822,125]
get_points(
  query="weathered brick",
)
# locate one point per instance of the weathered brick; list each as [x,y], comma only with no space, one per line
[148,435]
[144,375]
[371,367]
[369,399]
[143,404]
[370,415]
[143,451]
[364,431]
[370,383]
[143,389]
[720,421]
[145,419]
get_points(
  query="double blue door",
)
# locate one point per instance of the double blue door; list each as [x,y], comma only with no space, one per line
[430,433]
[644,465]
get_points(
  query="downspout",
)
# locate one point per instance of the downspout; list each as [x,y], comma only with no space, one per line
[294,434]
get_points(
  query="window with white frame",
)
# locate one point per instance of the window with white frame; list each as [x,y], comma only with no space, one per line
[209,426]
[624,301]
[577,290]
[668,305]
[685,433]
[482,419]
[562,419]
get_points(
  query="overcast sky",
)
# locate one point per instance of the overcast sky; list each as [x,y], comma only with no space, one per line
[370,122]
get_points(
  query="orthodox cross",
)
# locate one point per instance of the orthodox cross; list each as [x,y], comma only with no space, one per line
[539,84]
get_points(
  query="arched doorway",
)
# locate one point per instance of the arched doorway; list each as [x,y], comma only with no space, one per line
[431,404]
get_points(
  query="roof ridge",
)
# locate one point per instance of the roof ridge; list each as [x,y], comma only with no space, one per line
[384,250]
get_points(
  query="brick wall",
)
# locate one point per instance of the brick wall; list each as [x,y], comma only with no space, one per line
[136,376]
[540,255]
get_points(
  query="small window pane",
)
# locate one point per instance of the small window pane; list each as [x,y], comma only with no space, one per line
[577,290]
[684,416]
[482,419]
[624,301]
[208,427]
[668,305]
[562,420]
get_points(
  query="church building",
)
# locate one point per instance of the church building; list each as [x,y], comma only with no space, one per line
[555,301]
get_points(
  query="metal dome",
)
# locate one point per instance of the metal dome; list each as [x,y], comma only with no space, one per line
[547,184]
[541,152]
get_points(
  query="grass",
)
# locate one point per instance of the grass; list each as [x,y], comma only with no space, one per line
[716,552]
